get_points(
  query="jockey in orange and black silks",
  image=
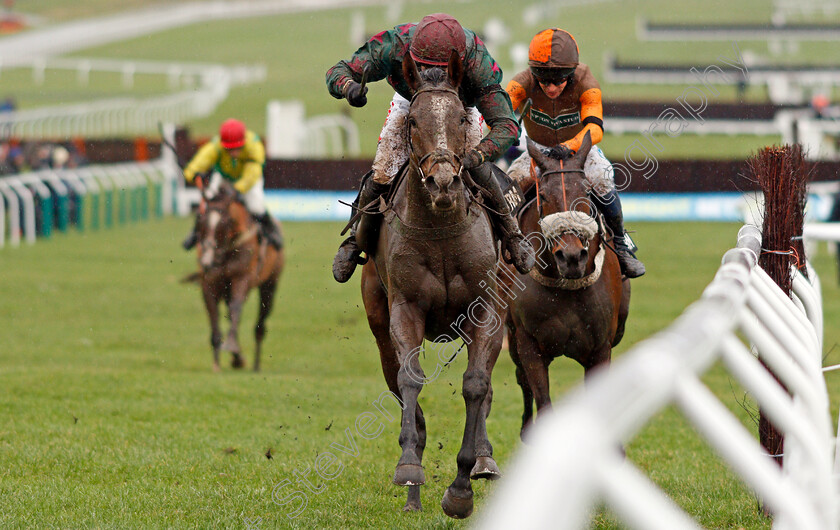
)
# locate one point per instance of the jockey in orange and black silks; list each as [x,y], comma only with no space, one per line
[565,105]
[430,44]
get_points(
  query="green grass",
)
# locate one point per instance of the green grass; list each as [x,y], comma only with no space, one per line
[297,49]
[110,415]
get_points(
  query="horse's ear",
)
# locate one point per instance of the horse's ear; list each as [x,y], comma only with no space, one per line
[585,146]
[455,69]
[410,73]
[536,153]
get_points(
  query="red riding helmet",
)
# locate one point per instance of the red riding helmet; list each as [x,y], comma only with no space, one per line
[232,134]
[434,39]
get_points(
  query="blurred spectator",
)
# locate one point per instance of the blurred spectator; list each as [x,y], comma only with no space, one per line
[17,159]
[819,104]
[6,167]
[8,105]
[40,157]
[59,157]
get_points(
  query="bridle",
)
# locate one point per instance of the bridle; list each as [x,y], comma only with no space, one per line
[438,156]
[562,172]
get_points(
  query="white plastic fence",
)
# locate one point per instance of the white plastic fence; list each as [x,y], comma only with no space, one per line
[573,461]
[129,115]
[103,196]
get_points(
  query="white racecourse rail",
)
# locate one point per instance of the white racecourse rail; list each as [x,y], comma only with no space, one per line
[128,188]
[573,461]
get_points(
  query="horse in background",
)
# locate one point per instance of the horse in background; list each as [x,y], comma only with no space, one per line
[574,302]
[234,259]
[435,260]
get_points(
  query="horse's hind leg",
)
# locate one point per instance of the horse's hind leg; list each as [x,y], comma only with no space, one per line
[211,302]
[623,311]
[267,290]
[521,380]
[535,369]
[376,307]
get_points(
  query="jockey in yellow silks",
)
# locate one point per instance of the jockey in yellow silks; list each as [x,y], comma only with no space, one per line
[238,156]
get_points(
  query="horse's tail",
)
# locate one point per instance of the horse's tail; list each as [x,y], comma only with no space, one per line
[195,277]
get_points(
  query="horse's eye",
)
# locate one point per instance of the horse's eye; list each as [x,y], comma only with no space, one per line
[463,119]
[412,122]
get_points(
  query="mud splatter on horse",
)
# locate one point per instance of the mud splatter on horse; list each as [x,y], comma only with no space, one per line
[431,264]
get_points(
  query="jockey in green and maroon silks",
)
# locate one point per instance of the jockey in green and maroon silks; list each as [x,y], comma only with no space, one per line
[430,44]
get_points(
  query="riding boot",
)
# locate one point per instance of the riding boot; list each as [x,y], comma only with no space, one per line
[270,230]
[610,206]
[349,254]
[521,251]
[192,238]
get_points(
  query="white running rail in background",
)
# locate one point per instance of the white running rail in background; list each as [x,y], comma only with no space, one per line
[133,190]
[129,115]
[573,460]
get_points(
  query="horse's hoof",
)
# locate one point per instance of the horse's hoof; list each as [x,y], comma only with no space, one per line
[412,507]
[237,361]
[485,467]
[409,475]
[456,507]
[217,368]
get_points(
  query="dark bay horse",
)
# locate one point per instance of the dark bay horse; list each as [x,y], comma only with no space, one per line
[435,262]
[233,260]
[575,301]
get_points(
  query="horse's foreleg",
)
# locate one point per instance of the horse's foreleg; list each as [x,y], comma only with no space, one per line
[211,302]
[267,290]
[376,307]
[485,466]
[458,499]
[238,294]
[406,330]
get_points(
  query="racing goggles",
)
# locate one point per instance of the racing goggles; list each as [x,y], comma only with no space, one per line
[553,76]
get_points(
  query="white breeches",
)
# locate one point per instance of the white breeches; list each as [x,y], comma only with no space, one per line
[392,150]
[254,198]
[597,170]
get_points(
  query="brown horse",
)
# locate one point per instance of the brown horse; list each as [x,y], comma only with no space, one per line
[574,302]
[234,259]
[434,264]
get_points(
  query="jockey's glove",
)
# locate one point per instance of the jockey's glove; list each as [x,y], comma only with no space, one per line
[472,159]
[559,152]
[355,94]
